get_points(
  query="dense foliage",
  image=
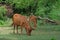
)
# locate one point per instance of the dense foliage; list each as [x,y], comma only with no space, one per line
[48,8]
[2,14]
[22,6]
[44,8]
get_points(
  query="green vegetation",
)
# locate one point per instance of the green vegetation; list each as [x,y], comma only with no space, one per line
[3,12]
[44,8]
[49,9]
[42,32]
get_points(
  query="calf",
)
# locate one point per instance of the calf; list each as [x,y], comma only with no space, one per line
[19,20]
[33,19]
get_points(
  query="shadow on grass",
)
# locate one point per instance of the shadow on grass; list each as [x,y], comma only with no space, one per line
[4,39]
[18,34]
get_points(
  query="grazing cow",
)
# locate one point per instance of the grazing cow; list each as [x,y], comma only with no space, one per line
[33,19]
[19,20]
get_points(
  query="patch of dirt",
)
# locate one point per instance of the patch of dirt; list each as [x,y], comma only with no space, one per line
[5,30]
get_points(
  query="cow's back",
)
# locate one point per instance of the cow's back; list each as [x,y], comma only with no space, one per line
[18,19]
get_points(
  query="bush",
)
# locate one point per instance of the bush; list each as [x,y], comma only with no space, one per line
[3,12]
[48,9]
[44,8]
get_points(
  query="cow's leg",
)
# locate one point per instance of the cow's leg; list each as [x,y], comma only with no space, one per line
[21,29]
[17,29]
[14,29]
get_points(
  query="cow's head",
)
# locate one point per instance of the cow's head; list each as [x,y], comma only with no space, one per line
[29,31]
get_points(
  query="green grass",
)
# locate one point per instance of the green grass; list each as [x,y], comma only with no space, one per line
[6,23]
[42,32]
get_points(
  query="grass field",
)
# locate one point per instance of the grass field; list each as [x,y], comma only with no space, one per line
[42,32]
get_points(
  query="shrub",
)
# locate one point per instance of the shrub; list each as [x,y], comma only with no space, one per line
[3,12]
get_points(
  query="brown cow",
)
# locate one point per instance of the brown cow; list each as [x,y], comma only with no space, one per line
[33,19]
[19,20]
